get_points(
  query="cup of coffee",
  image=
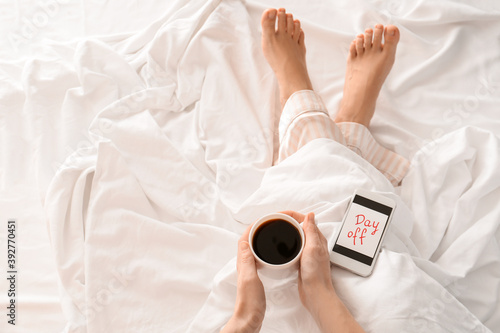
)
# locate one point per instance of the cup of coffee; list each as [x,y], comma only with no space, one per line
[277,241]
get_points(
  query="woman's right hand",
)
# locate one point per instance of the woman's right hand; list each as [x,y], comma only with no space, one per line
[315,280]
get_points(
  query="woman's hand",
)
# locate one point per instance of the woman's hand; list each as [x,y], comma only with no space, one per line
[250,297]
[315,280]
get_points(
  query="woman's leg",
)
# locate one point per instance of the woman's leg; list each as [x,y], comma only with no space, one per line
[368,64]
[304,117]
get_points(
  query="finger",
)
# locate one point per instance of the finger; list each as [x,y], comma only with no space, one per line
[311,231]
[311,222]
[316,242]
[244,252]
[245,260]
[246,233]
[309,219]
[296,215]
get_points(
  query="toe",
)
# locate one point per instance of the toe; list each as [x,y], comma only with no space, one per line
[268,21]
[296,30]
[391,35]
[289,24]
[377,36]
[282,20]
[302,38]
[360,40]
[352,49]
[368,38]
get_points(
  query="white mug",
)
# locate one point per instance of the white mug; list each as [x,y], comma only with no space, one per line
[277,271]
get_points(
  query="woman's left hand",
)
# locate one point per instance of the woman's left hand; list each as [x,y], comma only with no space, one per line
[250,297]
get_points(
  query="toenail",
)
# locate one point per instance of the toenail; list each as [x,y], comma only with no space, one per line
[271,14]
[379,26]
[392,32]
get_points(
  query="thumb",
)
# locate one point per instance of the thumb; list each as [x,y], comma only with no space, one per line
[309,224]
[310,218]
[246,261]
[311,231]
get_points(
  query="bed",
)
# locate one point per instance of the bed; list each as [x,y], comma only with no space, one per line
[139,140]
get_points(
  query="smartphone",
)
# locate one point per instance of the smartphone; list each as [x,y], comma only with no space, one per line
[363,229]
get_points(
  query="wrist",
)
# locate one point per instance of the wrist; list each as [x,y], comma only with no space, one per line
[244,321]
[241,325]
[331,314]
[320,297]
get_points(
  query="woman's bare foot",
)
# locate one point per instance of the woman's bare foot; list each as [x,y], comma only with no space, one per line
[285,51]
[368,64]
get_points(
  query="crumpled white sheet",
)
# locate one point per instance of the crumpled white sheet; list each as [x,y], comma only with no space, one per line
[408,291]
[145,221]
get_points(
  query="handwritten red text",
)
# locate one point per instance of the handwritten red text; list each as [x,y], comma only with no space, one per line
[363,224]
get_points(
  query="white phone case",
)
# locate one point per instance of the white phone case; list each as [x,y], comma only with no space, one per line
[361,236]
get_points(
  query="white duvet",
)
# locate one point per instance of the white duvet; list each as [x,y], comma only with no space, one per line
[144,219]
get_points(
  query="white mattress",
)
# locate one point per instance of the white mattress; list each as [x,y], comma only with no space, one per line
[137,142]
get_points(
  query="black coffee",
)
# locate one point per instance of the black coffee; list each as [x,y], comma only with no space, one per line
[276,242]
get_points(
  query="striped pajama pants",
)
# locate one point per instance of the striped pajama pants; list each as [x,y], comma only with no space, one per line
[305,118]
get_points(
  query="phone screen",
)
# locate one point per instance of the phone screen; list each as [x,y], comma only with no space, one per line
[363,229]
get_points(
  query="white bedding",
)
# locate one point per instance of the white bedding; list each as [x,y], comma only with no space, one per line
[168,138]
